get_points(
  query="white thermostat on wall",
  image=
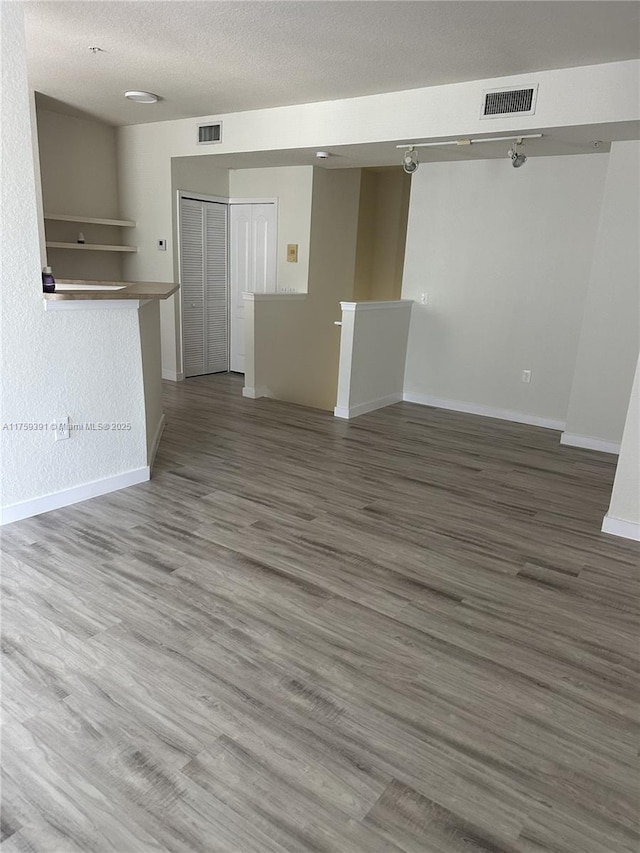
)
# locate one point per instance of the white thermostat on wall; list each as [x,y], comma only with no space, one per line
[162,245]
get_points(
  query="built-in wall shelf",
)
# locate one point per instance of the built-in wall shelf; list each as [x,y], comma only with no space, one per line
[89,220]
[90,247]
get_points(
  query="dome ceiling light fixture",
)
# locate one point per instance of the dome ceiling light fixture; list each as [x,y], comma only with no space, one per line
[141,97]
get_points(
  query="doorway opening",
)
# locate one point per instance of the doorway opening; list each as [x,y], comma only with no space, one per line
[226,247]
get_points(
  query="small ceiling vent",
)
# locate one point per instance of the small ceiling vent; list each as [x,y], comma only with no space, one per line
[209,133]
[505,102]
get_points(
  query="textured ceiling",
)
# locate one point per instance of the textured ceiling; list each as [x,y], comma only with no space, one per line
[214,57]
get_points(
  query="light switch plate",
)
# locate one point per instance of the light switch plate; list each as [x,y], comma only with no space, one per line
[292,253]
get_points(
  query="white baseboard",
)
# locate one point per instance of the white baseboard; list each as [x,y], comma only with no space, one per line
[255,393]
[172,376]
[66,497]
[572,440]
[485,411]
[620,527]
[363,408]
[156,439]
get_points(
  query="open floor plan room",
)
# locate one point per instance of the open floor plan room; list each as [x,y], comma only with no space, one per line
[399,633]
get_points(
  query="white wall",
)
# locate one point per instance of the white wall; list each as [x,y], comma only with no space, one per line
[292,345]
[623,518]
[79,177]
[610,336]
[292,186]
[504,257]
[85,364]
[567,97]
[373,347]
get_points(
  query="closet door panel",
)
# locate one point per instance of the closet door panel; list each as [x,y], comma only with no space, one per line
[216,310]
[192,286]
[263,232]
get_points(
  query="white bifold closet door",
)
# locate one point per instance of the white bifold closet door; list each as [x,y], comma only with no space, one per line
[204,286]
[253,265]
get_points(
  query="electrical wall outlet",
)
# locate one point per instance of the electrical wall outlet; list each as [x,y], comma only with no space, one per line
[62,428]
[526,376]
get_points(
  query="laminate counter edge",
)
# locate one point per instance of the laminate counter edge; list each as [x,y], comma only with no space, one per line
[127,290]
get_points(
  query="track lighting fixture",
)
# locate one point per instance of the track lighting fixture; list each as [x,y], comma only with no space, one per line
[517,158]
[410,161]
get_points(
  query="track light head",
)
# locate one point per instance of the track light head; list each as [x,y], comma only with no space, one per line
[410,161]
[517,159]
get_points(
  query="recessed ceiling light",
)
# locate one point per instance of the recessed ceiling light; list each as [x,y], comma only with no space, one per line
[141,97]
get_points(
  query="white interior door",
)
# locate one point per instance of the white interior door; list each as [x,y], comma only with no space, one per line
[253,240]
[204,287]
[264,246]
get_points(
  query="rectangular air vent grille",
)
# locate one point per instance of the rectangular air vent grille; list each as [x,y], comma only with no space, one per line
[504,102]
[209,133]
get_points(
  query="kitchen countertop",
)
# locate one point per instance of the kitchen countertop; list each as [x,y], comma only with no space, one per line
[126,290]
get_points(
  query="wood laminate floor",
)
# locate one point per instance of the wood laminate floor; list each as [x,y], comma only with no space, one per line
[403,633]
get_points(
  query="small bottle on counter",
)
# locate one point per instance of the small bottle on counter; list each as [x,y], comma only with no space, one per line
[48,281]
[80,237]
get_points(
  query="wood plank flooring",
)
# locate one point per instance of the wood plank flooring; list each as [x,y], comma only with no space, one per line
[403,633]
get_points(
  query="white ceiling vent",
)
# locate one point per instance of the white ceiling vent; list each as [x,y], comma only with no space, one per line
[209,133]
[505,102]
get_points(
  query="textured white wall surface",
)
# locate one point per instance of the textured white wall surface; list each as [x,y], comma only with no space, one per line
[83,364]
[625,498]
[610,335]
[503,256]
